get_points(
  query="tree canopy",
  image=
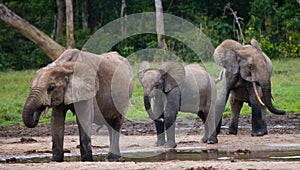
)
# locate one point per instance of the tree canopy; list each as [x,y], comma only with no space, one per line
[274,23]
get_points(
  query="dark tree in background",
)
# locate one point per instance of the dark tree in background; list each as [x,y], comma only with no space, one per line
[274,23]
[160,29]
[59,19]
[84,14]
[70,25]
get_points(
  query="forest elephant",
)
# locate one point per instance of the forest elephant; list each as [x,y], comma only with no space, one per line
[246,78]
[176,88]
[96,88]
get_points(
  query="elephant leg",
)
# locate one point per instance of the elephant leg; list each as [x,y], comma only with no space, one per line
[158,110]
[85,144]
[160,132]
[264,123]
[228,81]
[57,129]
[172,108]
[84,117]
[236,107]
[257,122]
[114,127]
[210,129]
[203,117]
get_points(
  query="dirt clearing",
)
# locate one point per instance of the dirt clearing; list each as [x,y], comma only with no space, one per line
[137,141]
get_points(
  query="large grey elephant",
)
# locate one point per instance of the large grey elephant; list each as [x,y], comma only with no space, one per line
[96,88]
[176,88]
[247,78]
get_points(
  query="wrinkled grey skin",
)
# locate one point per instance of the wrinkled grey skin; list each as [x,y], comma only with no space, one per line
[83,83]
[244,67]
[176,88]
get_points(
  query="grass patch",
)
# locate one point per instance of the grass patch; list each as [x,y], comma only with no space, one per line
[14,89]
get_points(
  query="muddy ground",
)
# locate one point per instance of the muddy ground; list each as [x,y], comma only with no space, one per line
[139,137]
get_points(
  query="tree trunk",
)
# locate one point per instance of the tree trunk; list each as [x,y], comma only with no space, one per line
[123,29]
[70,25]
[84,14]
[160,29]
[48,45]
[59,19]
[123,6]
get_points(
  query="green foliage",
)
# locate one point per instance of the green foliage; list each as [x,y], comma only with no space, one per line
[17,52]
[275,24]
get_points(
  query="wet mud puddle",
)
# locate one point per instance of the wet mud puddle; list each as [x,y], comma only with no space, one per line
[173,154]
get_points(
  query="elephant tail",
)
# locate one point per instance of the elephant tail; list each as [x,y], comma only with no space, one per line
[217,80]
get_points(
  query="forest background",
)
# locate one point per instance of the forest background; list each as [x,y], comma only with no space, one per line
[274,23]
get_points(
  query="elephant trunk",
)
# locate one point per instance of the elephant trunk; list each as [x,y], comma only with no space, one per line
[31,112]
[266,90]
[147,105]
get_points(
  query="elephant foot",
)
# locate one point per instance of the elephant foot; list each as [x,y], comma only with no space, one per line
[87,158]
[160,142]
[259,133]
[204,139]
[57,160]
[170,145]
[58,157]
[111,157]
[231,132]
[212,140]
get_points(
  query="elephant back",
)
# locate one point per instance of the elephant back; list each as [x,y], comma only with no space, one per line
[116,81]
[193,90]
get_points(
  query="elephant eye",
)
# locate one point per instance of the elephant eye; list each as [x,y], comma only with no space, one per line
[157,85]
[51,88]
[250,66]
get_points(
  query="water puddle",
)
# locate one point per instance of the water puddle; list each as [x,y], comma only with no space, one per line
[158,156]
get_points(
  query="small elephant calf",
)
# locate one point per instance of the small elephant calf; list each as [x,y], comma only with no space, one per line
[176,88]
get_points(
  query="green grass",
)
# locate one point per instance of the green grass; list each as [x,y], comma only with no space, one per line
[14,89]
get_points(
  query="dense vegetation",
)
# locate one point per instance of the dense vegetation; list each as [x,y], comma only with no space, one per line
[274,23]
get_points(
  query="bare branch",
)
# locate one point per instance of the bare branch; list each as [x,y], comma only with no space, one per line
[236,19]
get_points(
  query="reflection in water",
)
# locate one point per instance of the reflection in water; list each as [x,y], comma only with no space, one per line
[172,154]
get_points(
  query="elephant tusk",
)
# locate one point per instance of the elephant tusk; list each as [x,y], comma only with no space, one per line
[273,98]
[160,120]
[45,112]
[256,94]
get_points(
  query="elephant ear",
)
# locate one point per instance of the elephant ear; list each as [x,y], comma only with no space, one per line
[255,44]
[269,64]
[226,57]
[83,82]
[244,57]
[142,68]
[67,55]
[173,75]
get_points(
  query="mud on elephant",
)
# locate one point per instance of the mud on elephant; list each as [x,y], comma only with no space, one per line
[88,85]
[246,76]
[176,88]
